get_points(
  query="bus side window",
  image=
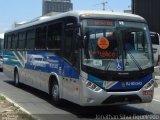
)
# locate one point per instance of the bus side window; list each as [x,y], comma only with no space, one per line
[30,39]
[54,36]
[21,40]
[9,42]
[40,42]
[14,41]
[5,41]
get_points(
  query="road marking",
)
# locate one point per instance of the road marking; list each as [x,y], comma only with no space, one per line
[15,104]
[156,100]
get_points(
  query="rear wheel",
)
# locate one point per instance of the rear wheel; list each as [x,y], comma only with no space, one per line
[55,93]
[16,78]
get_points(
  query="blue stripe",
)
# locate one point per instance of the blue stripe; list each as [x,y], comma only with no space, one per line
[42,61]
[130,84]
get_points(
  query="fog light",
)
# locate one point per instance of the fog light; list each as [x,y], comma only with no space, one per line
[88,100]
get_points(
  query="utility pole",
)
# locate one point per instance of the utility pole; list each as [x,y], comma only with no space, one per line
[103,4]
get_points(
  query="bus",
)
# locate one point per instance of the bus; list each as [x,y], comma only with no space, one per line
[1,49]
[155,38]
[91,58]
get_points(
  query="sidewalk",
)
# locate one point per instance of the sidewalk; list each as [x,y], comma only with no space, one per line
[8,111]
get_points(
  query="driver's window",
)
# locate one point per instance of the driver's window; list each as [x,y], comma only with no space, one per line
[141,44]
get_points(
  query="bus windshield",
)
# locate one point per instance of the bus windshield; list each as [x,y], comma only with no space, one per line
[117,46]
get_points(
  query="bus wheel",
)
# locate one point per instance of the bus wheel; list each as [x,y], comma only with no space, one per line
[16,78]
[55,93]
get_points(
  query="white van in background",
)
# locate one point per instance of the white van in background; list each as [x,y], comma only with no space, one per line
[155,38]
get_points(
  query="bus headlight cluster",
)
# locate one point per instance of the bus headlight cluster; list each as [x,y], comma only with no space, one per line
[92,86]
[148,85]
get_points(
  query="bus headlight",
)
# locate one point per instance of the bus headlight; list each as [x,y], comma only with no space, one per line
[148,85]
[91,85]
[88,84]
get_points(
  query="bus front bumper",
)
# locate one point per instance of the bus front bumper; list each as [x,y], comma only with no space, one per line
[101,97]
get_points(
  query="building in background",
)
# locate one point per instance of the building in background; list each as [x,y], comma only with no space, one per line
[56,6]
[149,9]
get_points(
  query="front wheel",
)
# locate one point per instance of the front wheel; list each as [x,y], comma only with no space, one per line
[16,78]
[55,94]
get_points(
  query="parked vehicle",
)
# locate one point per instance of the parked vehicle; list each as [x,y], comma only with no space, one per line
[155,38]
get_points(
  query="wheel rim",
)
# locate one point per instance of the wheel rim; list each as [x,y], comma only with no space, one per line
[55,92]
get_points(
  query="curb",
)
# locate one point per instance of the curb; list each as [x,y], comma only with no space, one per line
[15,104]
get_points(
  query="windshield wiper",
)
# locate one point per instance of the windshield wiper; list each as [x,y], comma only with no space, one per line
[108,65]
[134,60]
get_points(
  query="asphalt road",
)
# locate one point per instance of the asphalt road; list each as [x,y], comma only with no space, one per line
[39,105]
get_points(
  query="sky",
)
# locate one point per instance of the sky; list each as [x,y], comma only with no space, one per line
[24,10]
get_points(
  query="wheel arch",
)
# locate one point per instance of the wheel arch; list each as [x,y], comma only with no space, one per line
[53,78]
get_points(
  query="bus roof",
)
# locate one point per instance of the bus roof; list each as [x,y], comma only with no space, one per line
[83,15]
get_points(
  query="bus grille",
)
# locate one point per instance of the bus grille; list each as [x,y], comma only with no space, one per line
[122,98]
[122,90]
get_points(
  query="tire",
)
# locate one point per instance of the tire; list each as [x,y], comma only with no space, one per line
[55,94]
[16,79]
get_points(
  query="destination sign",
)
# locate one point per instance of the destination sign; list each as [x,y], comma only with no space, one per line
[100,23]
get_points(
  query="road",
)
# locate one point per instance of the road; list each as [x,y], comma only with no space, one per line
[39,105]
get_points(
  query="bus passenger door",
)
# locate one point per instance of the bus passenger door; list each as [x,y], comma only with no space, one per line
[70,77]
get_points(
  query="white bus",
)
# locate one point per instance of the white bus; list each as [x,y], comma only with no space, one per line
[90,58]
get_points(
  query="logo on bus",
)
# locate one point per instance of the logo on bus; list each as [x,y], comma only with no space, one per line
[134,83]
[125,84]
